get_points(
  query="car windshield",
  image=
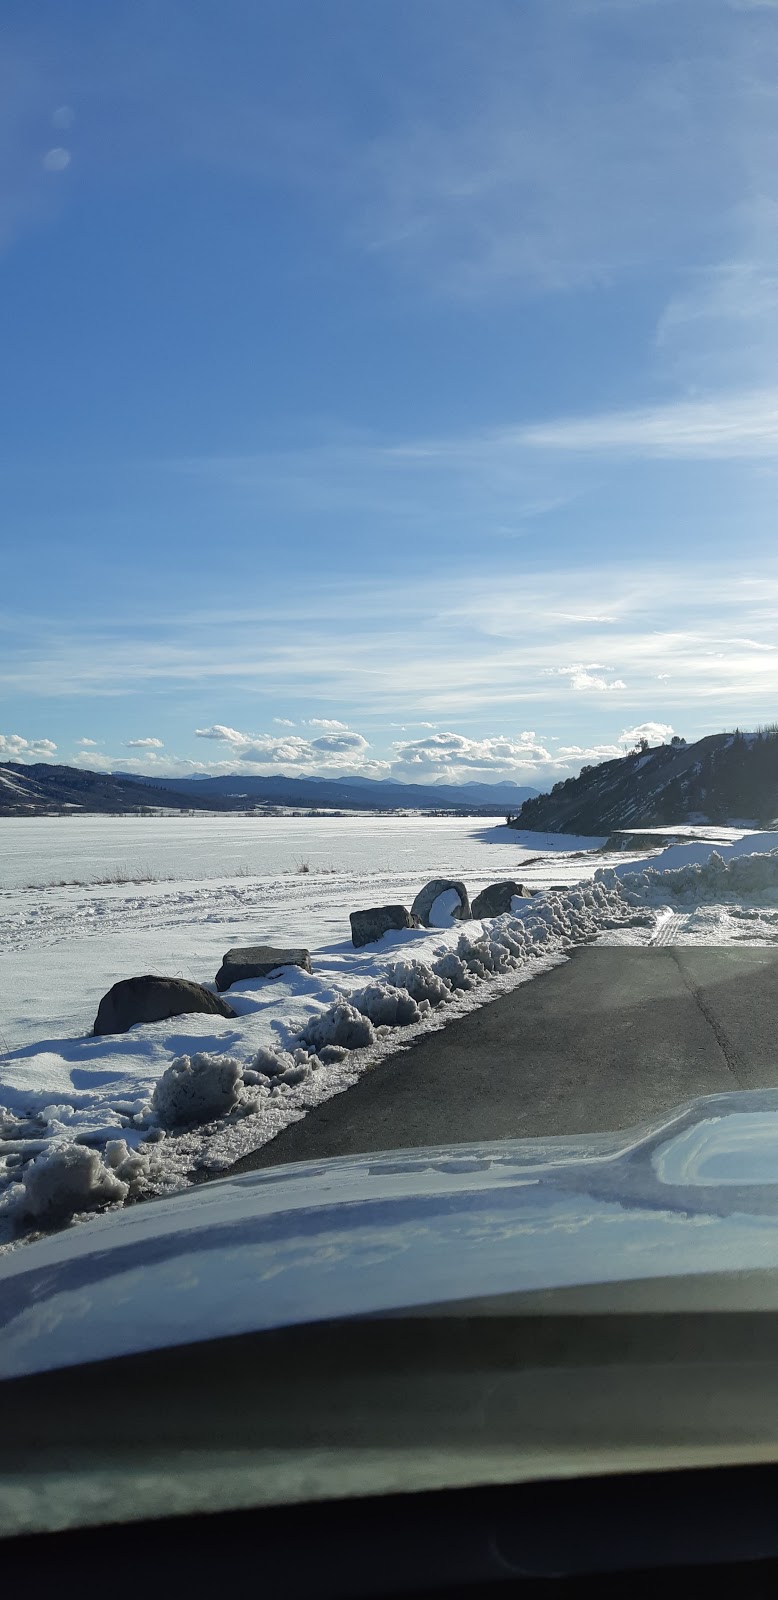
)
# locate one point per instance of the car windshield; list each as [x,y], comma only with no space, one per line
[389,764]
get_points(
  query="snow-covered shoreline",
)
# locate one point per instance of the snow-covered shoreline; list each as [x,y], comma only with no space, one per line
[96,1101]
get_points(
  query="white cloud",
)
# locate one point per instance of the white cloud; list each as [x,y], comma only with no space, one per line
[453,755]
[283,722]
[723,426]
[654,732]
[219,731]
[340,741]
[469,650]
[582,677]
[143,744]
[85,744]
[343,749]
[56,160]
[329,723]
[63,117]
[13,747]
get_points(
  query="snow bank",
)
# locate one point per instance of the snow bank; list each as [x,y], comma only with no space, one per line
[715,879]
[696,854]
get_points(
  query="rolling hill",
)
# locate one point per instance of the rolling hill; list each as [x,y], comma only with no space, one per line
[723,777]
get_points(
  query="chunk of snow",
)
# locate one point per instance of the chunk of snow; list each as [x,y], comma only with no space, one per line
[271,1063]
[420,981]
[451,968]
[340,1024]
[67,1179]
[444,910]
[385,1005]
[195,1089]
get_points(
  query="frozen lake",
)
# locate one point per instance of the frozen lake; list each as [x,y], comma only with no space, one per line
[205,883]
[36,851]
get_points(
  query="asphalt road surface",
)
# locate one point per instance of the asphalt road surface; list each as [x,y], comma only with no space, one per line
[612,1037]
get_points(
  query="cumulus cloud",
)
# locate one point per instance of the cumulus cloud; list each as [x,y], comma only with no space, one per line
[586,675]
[15,748]
[219,731]
[283,722]
[87,744]
[291,750]
[340,741]
[654,732]
[330,723]
[143,744]
[452,751]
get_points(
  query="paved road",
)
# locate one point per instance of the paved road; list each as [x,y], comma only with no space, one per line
[612,1037]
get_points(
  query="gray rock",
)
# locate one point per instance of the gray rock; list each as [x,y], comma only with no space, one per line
[425,899]
[496,898]
[153,999]
[257,961]
[369,926]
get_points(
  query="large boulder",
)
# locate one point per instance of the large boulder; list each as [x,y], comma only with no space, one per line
[455,904]
[369,926]
[257,961]
[152,999]
[496,898]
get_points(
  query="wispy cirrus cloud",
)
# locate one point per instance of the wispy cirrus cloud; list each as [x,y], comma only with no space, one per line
[725,426]
[703,637]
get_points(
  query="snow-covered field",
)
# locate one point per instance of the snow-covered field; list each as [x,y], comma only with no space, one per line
[85,1120]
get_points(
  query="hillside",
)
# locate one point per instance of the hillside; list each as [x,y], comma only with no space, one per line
[43,789]
[721,777]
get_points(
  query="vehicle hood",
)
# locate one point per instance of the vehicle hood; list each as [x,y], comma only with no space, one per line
[695,1193]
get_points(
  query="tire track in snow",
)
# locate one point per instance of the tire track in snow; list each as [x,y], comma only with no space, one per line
[670,927]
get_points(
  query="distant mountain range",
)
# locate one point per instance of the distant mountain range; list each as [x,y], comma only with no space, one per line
[361,793]
[44,789]
[722,778]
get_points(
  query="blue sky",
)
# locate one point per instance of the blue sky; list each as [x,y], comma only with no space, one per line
[389,387]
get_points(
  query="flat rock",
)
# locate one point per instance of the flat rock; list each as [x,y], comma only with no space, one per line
[496,898]
[153,999]
[370,925]
[257,961]
[425,899]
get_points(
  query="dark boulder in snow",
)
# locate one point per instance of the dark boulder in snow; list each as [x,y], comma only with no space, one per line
[454,906]
[152,999]
[367,927]
[258,961]
[495,899]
